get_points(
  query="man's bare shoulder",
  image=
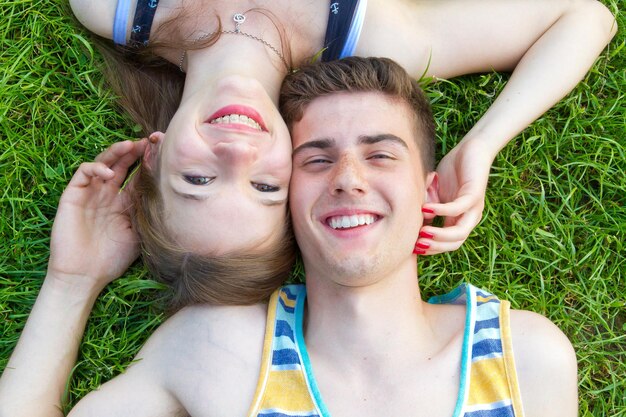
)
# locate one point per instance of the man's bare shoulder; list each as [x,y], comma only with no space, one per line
[208,357]
[204,360]
[200,329]
[546,366]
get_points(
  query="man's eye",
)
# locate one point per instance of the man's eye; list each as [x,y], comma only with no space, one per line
[197,180]
[381,156]
[265,188]
[317,161]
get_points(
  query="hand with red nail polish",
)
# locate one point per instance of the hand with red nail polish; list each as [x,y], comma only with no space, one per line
[426,235]
[462,181]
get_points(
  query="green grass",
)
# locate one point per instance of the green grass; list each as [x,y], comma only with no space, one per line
[551,240]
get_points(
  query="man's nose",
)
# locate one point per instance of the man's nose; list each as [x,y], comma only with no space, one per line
[236,154]
[348,176]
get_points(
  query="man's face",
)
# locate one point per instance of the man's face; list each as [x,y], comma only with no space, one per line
[357,187]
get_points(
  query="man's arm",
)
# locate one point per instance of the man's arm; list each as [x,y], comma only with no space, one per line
[92,243]
[549,46]
[546,366]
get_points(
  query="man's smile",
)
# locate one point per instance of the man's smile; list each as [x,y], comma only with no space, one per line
[348,222]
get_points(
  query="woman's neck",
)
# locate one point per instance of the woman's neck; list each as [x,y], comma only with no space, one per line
[234,55]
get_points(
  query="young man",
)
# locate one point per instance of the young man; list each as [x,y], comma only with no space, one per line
[358,340]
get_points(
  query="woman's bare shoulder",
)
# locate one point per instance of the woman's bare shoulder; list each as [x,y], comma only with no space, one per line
[213,350]
[198,359]
[97,16]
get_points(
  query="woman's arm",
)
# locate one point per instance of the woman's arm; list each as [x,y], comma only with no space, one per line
[98,16]
[549,45]
[92,243]
[549,69]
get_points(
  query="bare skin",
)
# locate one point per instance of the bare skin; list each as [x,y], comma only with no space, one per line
[553,45]
[205,360]
[548,46]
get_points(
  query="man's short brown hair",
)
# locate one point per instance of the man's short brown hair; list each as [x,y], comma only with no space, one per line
[356,74]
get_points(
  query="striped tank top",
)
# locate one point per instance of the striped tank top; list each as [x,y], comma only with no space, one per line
[488,380]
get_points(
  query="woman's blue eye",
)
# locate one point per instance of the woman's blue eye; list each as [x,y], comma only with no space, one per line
[197,180]
[265,188]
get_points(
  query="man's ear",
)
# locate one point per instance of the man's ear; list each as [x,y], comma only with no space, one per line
[432,188]
[151,154]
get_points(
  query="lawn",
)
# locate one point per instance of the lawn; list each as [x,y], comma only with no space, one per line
[551,240]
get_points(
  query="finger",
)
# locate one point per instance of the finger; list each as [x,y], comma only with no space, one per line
[434,240]
[439,247]
[88,171]
[122,158]
[459,231]
[428,214]
[124,163]
[114,152]
[454,208]
[468,220]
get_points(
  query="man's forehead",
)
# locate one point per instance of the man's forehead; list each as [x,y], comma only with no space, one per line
[357,113]
[341,100]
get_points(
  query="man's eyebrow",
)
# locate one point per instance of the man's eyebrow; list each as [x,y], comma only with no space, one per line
[317,144]
[372,139]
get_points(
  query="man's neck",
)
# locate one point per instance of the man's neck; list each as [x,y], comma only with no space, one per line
[385,313]
[365,342]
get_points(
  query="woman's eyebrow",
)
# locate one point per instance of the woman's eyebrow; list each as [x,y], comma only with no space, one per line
[269,202]
[317,144]
[195,197]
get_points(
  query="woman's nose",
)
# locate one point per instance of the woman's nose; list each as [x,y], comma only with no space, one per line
[236,153]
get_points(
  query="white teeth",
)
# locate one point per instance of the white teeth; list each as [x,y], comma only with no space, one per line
[345,222]
[237,119]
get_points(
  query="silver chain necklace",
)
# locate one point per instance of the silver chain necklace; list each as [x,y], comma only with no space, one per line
[238,18]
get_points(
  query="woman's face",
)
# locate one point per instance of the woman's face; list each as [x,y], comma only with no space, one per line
[225,163]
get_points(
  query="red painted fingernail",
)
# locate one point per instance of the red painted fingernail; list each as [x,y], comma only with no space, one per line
[419,251]
[422,245]
[427,235]
[427,210]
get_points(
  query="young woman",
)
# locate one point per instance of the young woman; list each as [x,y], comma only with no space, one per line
[215,183]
